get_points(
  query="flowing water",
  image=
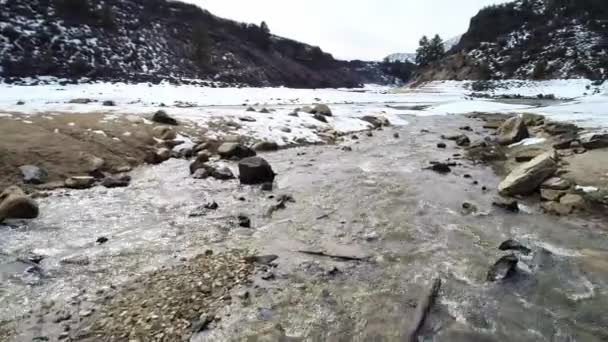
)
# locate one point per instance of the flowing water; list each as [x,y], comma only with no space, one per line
[376,203]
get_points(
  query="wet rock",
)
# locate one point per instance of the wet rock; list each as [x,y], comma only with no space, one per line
[294,113]
[234,151]
[163,118]
[200,162]
[376,121]
[203,171]
[512,131]
[35,258]
[551,195]
[222,173]
[164,133]
[396,135]
[320,117]
[109,103]
[556,183]
[81,101]
[267,186]
[263,146]
[509,205]
[440,168]
[322,109]
[157,156]
[504,268]
[512,245]
[592,141]
[526,178]
[486,151]
[468,208]
[33,174]
[15,204]
[531,120]
[244,221]
[116,181]
[247,119]
[441,145]
[255,170]
[80,182]
[211,205]
[101,240]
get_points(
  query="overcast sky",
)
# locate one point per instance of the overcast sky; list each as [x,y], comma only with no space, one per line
[354,29]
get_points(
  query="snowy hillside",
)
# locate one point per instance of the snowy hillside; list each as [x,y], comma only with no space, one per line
[401,57]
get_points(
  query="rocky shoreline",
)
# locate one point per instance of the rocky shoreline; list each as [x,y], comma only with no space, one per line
[185,297]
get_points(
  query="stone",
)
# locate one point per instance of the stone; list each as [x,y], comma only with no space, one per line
[157,156]
[267,186]
[503,269]
[222,173]
[116,181]
[526,178]
[261,259]
[101,240]
[560,128]
[231,150]
[307,109]
[509,205]
[369,134]
[512,245]
[493,124]
[109,103]
[20,103]
[440,168]
[592,141]
[556,208]
[164,133]
[396,135]
[15,204]
[320,117]
[265,146]
[463,140]
[255,170]
[376,121]
[511,131]
[551,195]
[247,119]
[531,120]
[526,155]
[81,101]
[33,174]
[572,200]
[244,221]
[212,205]
[346,148]
[91,163]
[200,161]
[203,171]
[556,183]
[441,145]
[163,118]
[80,182]
[250,109]
[322,109]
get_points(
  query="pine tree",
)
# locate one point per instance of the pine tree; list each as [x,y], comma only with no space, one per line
[422,53]
[436,49]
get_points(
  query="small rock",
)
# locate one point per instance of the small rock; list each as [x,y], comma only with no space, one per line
[396,135]
[202,323]
[463,140]
[551,195]
[354,137]
[116,182]
[201,159]
[101,240]
[266,146]
[441,145]
[369,134]
[157,156]
[211,205]
[440,168]
[247,119]
[510,205]
[109,103]
[80,182]
[265,110]
[255,170]
[346,148]
[512,245]
[163,118]
[572,200]
[556,183]
[261,259]
[222,173]
[234,150]
[81,101]
[92,164]
[20,103]
[556,208]
[33,174]
[322,109]
[250,109]
[244,221]
[504,268]
[376,121]
[15,204]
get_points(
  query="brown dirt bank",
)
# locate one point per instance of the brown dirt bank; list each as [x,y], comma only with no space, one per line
[55,142]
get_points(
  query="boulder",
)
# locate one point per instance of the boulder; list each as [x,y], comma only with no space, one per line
[509,205]
[512,245]
[164,133]
[512,131]
[80,182]
[526,178]
[320,117]
[255,170]
[222,173]
[551,195]
[266,146]
[163,118]
[556,208]
[234,151]
[116,181]
[199,162]
[322,109]
[531,120]
[157,156]
[307,109]
[527,154]
[556,183]
[33,174]
[376,121]
[203,172]
[572,200]
[592,141]
[560,128]
[504,268]
[15,204]
[441,145]
[463,140]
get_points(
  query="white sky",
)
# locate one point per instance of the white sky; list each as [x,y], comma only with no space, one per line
[354,29]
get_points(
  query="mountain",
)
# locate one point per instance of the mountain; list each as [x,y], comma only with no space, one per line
[531,39]
[154,40]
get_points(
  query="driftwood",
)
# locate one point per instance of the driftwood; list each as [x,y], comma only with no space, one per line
[333,256]
[425,303]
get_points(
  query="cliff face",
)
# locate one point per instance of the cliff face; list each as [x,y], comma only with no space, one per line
[151,40]
[531,39]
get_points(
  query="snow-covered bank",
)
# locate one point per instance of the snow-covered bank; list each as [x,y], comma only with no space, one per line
[206,106]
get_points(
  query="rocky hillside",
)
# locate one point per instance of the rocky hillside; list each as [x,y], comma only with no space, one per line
[531,39]
[152,40]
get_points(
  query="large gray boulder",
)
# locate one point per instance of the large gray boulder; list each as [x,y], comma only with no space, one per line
[234,151]
[14,203]
[526,178]
[33,174]
[255,170]
[512,131]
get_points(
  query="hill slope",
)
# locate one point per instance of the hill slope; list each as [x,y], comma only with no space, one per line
[150,40]
[531,39]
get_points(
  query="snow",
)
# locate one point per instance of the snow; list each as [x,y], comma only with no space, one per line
[529,141]
[587,105]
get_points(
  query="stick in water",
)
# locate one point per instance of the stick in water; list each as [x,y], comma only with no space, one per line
[425,303]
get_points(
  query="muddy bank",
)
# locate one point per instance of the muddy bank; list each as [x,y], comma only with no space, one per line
[395,223]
